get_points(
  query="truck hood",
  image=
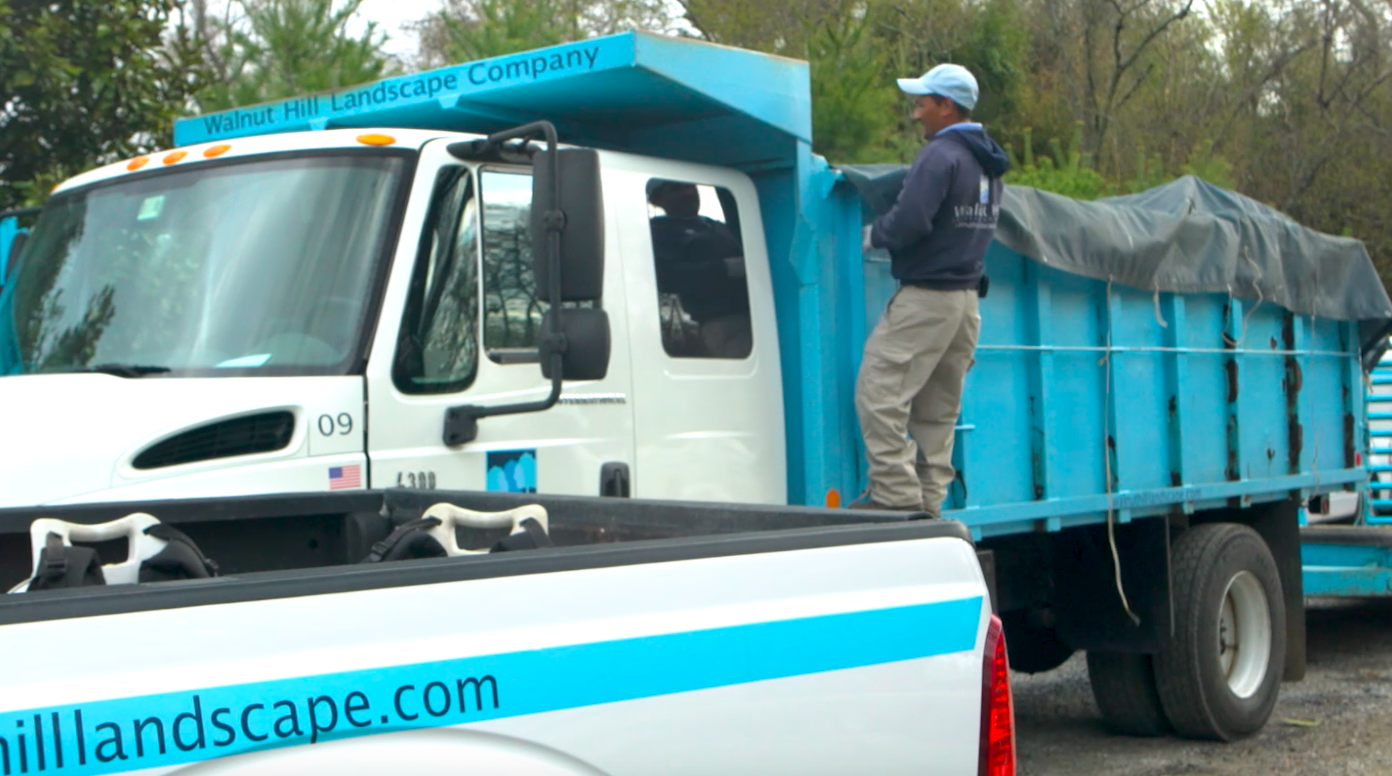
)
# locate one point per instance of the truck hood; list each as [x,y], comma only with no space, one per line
[69,437]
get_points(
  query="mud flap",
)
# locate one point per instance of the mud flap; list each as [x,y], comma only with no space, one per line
[1279,525]
[1089,611]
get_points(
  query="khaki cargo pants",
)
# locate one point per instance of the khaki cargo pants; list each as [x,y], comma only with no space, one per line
[910,383]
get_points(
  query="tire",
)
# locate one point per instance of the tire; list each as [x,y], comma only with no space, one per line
[1219,673]
[1030,648]
[1123,684]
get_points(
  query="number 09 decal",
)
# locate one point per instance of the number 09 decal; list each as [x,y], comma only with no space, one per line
[340,425]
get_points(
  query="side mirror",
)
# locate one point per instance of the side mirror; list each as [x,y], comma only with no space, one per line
[568,263]
[586,333]
[582,237]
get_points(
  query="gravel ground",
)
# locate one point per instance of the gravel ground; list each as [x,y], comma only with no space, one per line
[1337,721]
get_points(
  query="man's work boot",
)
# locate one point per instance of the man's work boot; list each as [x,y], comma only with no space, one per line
[866,502]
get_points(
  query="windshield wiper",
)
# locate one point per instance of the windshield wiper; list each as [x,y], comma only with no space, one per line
[119,370]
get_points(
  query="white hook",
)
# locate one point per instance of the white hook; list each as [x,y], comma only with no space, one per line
[141,546]
[451,517]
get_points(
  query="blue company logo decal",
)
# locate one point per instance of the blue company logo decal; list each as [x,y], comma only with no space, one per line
[512,471]
[408,90]
[127,734]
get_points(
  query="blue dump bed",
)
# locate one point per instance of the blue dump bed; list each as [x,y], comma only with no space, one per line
[1088,396]
[1190,401]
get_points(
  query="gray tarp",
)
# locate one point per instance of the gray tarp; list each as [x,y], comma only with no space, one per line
[1187,236]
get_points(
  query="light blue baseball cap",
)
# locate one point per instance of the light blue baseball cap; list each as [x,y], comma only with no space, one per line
[954,82]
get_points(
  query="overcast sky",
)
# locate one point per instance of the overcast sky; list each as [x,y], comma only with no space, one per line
[392,15]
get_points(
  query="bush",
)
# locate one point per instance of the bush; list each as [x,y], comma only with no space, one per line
[1070,174]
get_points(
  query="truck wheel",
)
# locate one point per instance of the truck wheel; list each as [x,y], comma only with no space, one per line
[1123,684]
[1031,648]
[1220,671]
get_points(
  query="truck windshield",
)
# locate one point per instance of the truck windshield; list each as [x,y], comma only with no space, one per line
[260,267]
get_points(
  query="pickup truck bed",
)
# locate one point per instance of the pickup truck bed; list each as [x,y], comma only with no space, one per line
[654,637]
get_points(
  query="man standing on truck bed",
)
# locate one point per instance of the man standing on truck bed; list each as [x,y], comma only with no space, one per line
[917,358]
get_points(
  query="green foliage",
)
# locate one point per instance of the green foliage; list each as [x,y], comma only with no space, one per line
[996,50]
[282,48]
[1204,163]
[83,81]
[1073,173]
[466,30]
[1068,173]
[491,28]
[777,28]
[852,111]
[1148,173]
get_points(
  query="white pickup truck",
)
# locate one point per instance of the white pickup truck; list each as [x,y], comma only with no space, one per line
[651,638]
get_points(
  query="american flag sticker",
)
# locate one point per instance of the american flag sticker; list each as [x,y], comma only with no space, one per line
[344,477]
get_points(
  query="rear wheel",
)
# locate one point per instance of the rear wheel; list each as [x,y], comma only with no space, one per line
[1220,672]
[1033,648]
[1123,684]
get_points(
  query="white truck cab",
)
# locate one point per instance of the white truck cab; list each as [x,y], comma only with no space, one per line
[298,312]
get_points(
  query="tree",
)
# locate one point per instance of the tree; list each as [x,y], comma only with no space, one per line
[273,49]
[83,82]
[852,111]
[857,48]
[1317,145]
[1068,173]
[853,116]
[467,30]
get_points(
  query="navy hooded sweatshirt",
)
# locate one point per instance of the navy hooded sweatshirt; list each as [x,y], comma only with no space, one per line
[938,231]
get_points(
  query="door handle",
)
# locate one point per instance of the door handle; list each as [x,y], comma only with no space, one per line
[613,480]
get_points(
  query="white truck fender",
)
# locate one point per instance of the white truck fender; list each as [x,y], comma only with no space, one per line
[417,752]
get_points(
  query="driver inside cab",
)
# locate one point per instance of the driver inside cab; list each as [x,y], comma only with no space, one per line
[701,261]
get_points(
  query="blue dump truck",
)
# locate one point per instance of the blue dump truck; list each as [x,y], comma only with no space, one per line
[1164,381]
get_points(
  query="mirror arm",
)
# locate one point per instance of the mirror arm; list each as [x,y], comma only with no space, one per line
[461,422]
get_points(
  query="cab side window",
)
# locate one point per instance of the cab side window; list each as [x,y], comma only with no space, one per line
[512,311]
[698,255]
[438,348]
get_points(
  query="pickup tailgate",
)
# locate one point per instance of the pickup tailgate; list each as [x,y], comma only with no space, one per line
[819,651]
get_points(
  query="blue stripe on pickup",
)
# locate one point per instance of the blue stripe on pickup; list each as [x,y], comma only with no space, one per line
[111,736]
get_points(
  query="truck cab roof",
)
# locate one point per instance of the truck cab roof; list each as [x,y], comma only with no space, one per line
[385,137]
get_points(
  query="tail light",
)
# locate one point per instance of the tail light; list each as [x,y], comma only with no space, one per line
[997,709]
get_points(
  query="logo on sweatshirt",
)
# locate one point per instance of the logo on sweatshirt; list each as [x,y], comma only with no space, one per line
[981,214]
